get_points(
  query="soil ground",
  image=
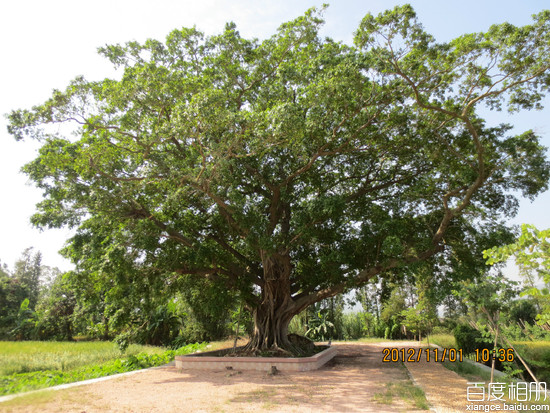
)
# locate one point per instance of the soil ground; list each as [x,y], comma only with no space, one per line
[352,382]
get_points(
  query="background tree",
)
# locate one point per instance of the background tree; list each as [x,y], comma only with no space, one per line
[12,294]
[19,295]
[487,300]
[293,169]
[28,270]
[393,313]
[531,252]
[369,298]
[420,319]
[4,270]
[56,310]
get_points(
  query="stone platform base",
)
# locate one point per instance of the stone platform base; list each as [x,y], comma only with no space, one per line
[207,361]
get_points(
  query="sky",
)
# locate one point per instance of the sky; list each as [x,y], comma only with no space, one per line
[45,44]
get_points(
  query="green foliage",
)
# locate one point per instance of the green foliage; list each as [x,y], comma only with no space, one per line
[469,370]
[525,331]
[19,292]
[492,298]
[532,255]
[25,322]
[29,356]
[207,309]
[406,391]
[488,300]
[537,356]
[393,308]
[56,311]
[357,325]
[327,319]
[298,324]
[523,311]
[36,301]
[417,320]
[289,170]
[468,339]
[122,341]
[28,270]
[443,339]
[20,382]
[161,325]
[420,319]
[489,295]
[320,328]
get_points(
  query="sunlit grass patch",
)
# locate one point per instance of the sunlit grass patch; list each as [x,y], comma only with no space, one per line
[442,340]
[372,340]
[406,391]
[41,397]
[29,356]
[223,344]
[468,370]
[534,350]
[43,377]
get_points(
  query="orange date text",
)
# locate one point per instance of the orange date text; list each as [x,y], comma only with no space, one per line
[412,355]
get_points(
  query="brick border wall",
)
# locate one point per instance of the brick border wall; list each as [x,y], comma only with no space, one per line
[204,362]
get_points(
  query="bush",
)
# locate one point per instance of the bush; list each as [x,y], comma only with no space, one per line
[468,339]
[523,311]
[441,330]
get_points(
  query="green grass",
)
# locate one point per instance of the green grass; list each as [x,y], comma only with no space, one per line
[534,350]
[98,361]
[406,391]
[468,370]
[537,356]
[29,356]
[442,340]
[536,353]
[39,398]
[372,340]
[473,373]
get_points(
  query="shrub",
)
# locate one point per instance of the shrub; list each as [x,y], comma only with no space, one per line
[441,330]
[469,339]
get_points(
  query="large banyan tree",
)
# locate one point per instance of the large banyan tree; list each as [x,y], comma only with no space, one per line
[295,168]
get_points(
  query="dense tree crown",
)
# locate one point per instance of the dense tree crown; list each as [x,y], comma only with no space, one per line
[294,168]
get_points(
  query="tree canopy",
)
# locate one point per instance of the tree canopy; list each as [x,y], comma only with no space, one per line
[295,168]
[531,252]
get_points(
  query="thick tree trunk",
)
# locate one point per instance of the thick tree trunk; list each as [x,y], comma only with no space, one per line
[276,309]
[271,328]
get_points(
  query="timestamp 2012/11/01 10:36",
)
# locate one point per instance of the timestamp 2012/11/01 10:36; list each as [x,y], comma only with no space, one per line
[393,355]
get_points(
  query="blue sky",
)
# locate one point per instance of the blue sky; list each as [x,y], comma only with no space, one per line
[46,44]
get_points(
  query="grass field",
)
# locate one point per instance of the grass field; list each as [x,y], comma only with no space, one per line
[442,340]
[29,356]
[35,365]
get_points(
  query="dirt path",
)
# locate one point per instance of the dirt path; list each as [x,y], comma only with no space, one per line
[349,383]
[445,390]
[346,384]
